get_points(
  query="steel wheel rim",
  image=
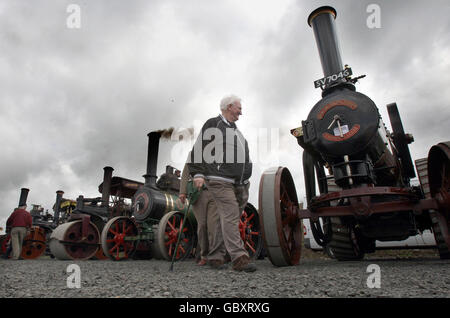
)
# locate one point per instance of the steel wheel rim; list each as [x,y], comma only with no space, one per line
[439,182]
[114,234]
[277,204]
[168,231]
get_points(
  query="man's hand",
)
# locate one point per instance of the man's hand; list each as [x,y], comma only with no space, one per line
[182,197]
[199,182]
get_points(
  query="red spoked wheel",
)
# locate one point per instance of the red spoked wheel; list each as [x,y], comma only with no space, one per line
[119,238]
[281,228]
[169,228]
[249,228]
[4,241]
[34,244]
[439,181]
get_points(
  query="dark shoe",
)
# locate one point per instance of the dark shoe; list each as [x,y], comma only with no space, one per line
[242,264]
[217,264]
[227,258]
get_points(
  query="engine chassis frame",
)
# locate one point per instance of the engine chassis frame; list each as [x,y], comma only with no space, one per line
[361,205]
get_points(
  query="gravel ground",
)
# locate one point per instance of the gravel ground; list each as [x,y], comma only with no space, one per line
[315,277]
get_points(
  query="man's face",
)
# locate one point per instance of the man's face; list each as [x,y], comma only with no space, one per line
[235,110]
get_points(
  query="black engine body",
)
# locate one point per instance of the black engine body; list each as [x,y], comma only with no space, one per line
[345,133]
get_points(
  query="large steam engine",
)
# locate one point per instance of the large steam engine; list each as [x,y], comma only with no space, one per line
[35,243]
[158,216]
[44,224]
[79,236]
[362,172]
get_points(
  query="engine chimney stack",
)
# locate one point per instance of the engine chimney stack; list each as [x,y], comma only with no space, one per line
[23,196]
[322,22]
[59,195]
[106,191]
[152,158]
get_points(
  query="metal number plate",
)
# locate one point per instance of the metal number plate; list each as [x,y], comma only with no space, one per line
[328,80]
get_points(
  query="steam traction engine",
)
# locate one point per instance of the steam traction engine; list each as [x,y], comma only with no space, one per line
[35,243]
[366,194]
[156,213]
[158,216]
[44,224]
[79,237]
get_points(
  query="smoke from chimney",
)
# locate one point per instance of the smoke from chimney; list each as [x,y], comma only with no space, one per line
[165,133]
[176,134]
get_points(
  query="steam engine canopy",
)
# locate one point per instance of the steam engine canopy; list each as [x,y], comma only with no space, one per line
[344,122]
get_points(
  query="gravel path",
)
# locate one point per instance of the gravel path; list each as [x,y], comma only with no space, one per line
[317,278]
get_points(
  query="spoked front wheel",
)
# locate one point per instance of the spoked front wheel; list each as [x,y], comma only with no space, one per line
[169,228]
[118,238]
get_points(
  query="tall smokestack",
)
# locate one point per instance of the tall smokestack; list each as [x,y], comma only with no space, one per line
[322,22]
[23,196]
[152,158]
[59,195]
[107,176]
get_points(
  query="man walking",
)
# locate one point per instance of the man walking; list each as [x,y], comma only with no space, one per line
[19,222]
[220,159]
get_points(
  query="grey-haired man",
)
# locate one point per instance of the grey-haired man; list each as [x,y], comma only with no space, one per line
[220,159]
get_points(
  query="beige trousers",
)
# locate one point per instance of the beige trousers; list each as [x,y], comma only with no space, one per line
[17,235]
[205,214]
[230,201]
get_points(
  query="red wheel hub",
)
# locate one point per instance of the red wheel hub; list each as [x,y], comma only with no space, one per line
[246,229]
[118,231]
[119,239]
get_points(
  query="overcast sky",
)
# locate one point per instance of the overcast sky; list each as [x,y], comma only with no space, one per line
[73,100]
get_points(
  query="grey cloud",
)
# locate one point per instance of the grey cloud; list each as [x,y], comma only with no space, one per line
[74,101]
